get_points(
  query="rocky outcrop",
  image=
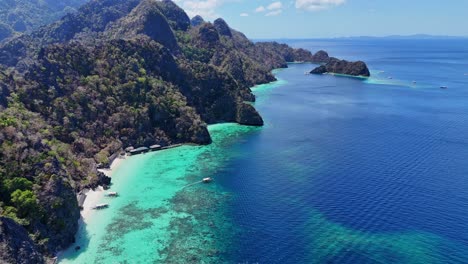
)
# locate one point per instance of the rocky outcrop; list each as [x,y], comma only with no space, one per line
[319,70]
[207,35]
[176,16]
[357,68]
[285,52]
[59,201]
[320,56]
[15,244]
[222,27]
[197,20]
[146,19]
[247,115]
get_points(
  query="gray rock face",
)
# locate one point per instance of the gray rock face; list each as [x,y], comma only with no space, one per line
[319,70]
[334,65]
[196,21]
[15,244]
[58,198]
[222,27]
[247,115]
[146,19]
[176,15]
[320,57]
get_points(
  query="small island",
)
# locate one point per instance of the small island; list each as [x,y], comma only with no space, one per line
[337,66]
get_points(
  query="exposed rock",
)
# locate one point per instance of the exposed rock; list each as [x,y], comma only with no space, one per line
[146,19]
[15,244]
[59,201]
[319,70]
[208,35]
[280,54]
[222,27]
[176,15]
[358,68]
[320,56]
[197,20]
[247,115]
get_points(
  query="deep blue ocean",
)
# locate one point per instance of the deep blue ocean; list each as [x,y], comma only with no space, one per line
[358,171]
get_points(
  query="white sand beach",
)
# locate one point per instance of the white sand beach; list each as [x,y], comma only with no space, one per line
[96,196]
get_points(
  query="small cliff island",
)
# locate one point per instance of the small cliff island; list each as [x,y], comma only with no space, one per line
[337,66]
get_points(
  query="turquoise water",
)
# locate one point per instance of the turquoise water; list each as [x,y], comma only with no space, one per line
[162,214]
[345,170]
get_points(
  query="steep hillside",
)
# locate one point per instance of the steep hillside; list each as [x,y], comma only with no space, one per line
[114,74]
[24,16]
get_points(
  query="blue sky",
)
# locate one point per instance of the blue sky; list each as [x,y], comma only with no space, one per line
[335,18]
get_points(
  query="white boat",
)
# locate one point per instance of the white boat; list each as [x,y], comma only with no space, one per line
[443,87]
[207,180]
[100,206]
[112,194]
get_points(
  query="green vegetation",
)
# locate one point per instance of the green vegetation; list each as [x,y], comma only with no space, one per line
[21,16]
[149,78]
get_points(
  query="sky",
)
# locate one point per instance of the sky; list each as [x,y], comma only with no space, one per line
[263,19]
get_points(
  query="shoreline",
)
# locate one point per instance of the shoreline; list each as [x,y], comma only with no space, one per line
[93,197]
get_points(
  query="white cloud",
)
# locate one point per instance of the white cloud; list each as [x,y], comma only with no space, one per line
[204,8]
[274,13]
[275,6]
[315,5]
[260,9]
[244,15]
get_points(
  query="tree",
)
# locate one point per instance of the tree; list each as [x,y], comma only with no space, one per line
[25,202]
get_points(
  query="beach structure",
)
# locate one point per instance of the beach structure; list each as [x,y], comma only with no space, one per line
[155,147]
[100,206]
[139,150]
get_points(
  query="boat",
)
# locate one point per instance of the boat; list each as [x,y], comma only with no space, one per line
[207,180]
[112,194]
[100,206]
[443,87]
[414,81]
[389,77]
